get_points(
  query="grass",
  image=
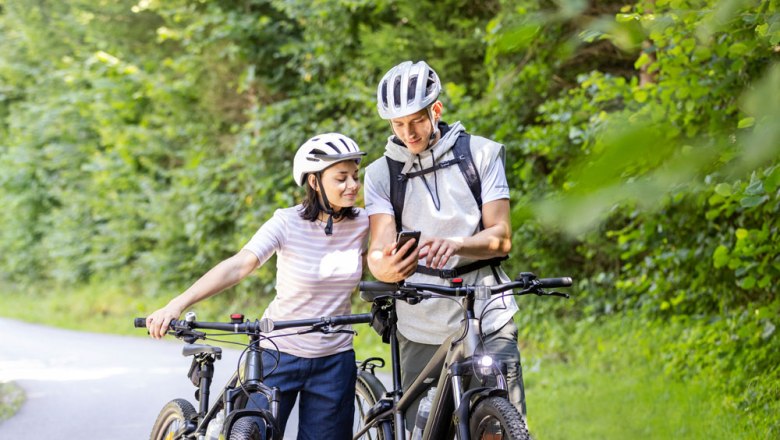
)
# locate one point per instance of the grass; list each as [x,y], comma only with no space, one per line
[604,382]
[11,399]
[609,382]
[108,308]
[567,402]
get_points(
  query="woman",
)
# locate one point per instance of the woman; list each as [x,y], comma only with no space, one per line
[320,246]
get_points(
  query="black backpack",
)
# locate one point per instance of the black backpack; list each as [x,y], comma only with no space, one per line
[462,152]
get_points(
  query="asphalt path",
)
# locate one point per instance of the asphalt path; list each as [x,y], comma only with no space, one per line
[82,385]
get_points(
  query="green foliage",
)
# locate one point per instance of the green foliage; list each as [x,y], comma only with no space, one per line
[11,398]
[624,379]
[144,141]
[629,169]
[658,197]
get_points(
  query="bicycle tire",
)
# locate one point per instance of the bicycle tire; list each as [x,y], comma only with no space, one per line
[171,418]
[497,418]
[247,428]
[368,390]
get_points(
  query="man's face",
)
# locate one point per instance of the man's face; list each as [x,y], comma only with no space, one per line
[414,130]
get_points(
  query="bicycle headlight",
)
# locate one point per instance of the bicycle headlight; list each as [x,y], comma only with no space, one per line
[485,364]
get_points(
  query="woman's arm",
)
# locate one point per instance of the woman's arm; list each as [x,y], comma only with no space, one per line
[222,276]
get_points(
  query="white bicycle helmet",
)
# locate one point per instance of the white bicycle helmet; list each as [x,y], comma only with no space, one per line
[406,89]
[322,151]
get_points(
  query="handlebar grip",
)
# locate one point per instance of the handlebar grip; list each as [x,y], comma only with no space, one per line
[267,325]
[555,282]
[362,318]
[141,323]
[377,286]
[371,290]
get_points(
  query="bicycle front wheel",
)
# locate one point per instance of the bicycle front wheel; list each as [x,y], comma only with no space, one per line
[172,420]
[368,391]
[248,428]
[496,418]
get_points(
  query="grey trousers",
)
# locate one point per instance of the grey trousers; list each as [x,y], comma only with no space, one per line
[501,344]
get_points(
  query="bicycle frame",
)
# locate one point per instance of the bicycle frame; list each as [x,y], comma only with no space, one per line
[453,364]
[232,396]
[457,354]
[236,393]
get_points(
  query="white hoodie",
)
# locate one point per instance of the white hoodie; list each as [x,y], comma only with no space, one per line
[457,215]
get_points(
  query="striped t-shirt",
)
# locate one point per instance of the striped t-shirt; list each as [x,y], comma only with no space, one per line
[315,275]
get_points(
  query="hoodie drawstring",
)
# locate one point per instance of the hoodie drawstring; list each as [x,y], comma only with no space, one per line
[436,199]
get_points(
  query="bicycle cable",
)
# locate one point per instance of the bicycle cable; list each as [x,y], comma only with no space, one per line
[459,303]
[466,325]
[486,309]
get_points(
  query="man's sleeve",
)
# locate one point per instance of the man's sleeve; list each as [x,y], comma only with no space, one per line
[494,182]
[377,193]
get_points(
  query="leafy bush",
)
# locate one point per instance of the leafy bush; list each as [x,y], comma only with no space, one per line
[146,141]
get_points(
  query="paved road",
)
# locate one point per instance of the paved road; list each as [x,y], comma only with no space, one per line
[91,386]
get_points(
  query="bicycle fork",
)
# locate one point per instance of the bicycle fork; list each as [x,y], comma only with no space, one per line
[455,400]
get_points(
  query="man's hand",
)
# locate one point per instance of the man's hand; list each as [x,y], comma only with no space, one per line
[385,262]
[437,251]
[390,266]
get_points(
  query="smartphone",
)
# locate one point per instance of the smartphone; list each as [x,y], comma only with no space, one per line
[405,236]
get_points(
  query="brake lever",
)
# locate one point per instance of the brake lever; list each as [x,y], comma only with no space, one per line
[560,294]
[351,332]
[189,336]
[326,329]
[542,292]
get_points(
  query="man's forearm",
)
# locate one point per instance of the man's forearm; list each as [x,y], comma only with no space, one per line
[488,243]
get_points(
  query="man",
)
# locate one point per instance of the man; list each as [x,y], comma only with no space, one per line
[441,202]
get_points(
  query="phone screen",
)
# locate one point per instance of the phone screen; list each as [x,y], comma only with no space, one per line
[405,236]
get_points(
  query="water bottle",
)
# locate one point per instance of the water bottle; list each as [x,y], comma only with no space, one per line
[215,426]
[422,414]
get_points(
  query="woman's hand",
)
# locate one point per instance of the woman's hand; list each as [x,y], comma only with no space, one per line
[157,323]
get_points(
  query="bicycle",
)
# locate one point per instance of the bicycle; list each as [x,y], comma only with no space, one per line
[457,411]
[180,420]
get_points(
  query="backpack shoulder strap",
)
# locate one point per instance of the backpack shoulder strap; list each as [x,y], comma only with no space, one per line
[462,151]
[397,190]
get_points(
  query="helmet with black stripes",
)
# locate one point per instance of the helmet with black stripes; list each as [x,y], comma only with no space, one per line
[406,89]
[321,152]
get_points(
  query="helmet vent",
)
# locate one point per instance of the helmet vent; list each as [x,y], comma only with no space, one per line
[397,91]
[412,89]
[384,94]
[430,85]
[406,89]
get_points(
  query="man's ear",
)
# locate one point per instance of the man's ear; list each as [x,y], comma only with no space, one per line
[437,109]
[312,181]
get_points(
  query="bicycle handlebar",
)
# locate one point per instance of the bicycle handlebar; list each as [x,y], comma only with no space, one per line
[555,282]
[264,325]
[373,290]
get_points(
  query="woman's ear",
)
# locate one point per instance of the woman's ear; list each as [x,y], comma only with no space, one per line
[312,181]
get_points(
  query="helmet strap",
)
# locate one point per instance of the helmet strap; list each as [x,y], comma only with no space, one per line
[434,126]
[326,207]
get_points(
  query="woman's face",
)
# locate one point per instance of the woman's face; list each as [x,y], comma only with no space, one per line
[341,184]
